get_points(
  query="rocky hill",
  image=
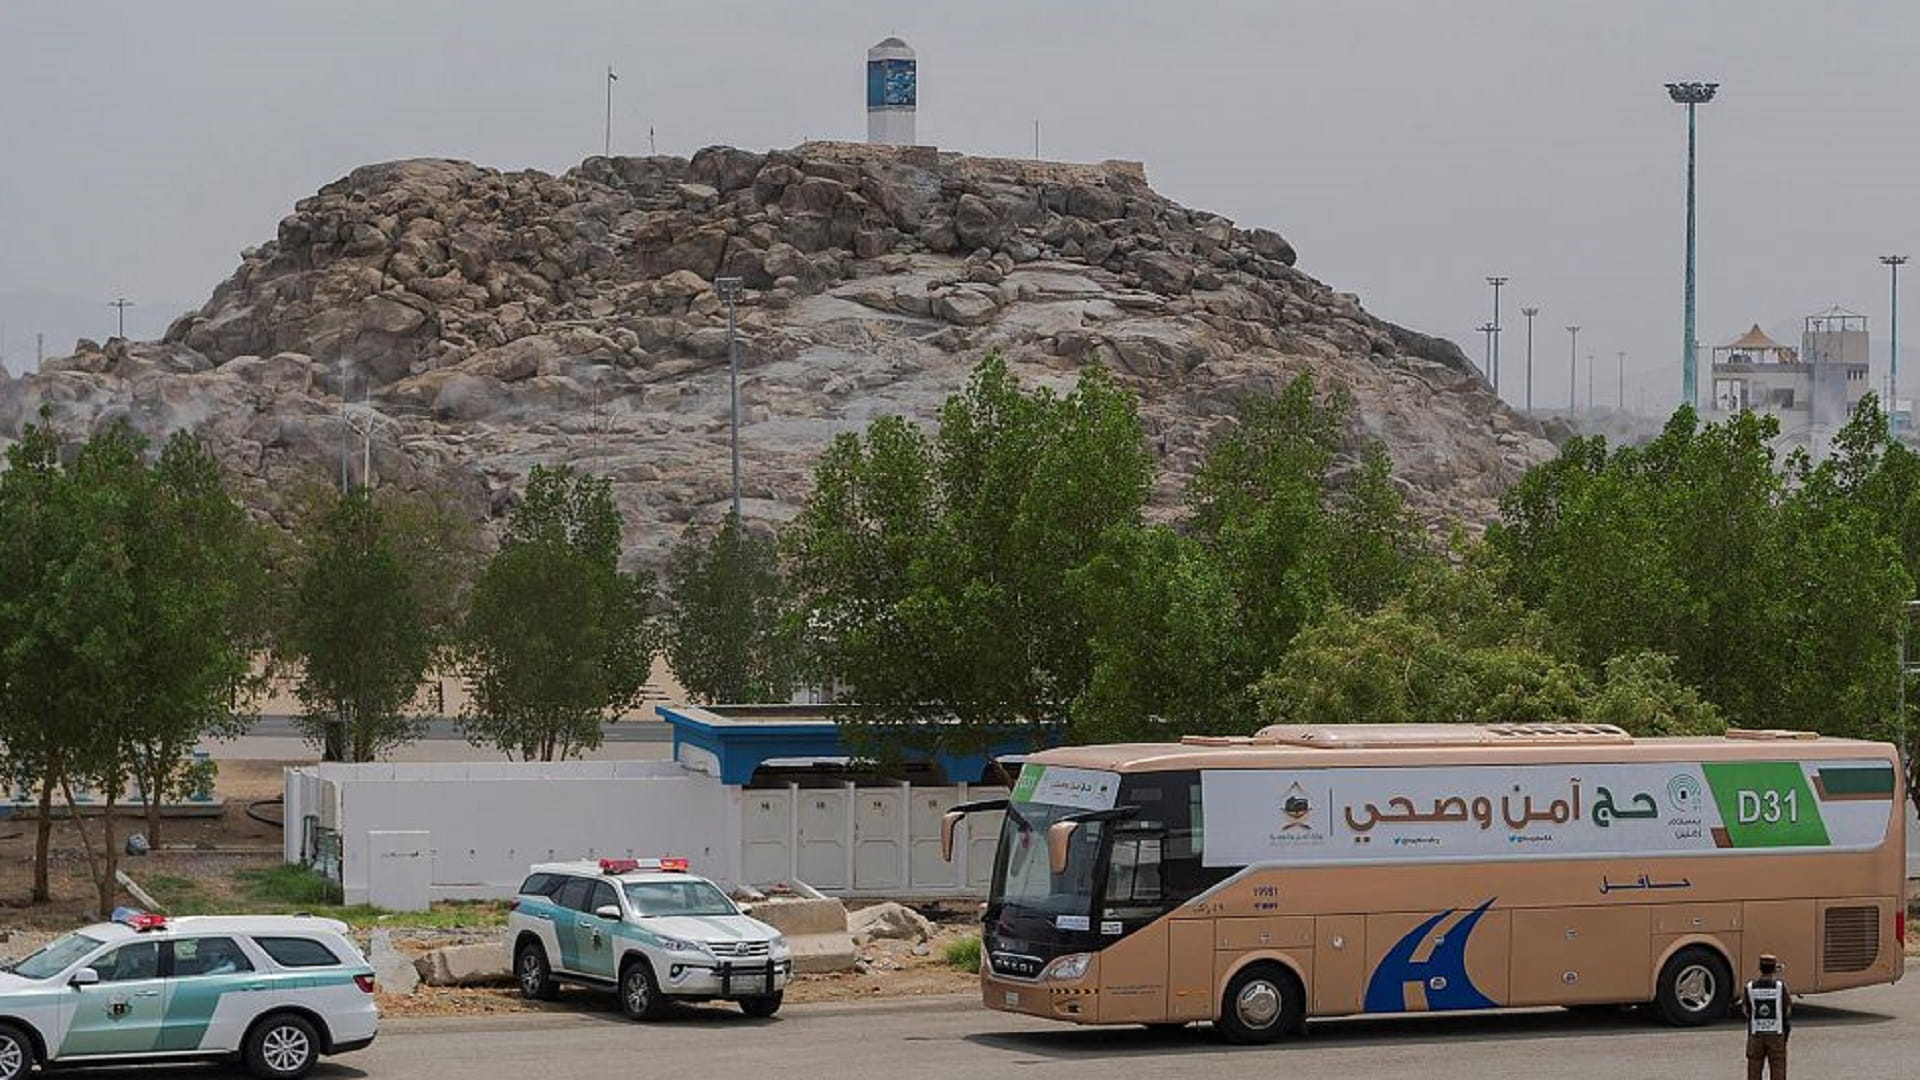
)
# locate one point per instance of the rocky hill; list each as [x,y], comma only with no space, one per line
[454,325]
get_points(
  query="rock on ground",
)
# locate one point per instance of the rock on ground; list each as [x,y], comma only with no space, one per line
[889,922]
[482,964]
[392,972]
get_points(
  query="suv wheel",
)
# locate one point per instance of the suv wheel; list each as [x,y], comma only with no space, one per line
[16,1053]
[762,1007]
[282,1047]
[533,973]
[640,996]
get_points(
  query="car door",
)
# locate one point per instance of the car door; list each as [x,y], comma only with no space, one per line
[593,943]
[212,994]
[568,902]
[122,1013]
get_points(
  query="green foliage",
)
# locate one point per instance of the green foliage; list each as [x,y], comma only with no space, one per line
[557,640]
[289,885]
[962,954]
[125,621]
[728,636]
[933,574]
[1776,594]
[1183,625]
[367,619]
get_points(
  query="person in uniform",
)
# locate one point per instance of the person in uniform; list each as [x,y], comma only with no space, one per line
[1769,1022]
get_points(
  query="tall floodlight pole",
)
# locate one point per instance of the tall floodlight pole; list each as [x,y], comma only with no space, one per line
[1496,282]
[1690,94]
[1489,330]
[121,304]
[1620,393]
[1893,330]
[1529,312]
[1573,367]
[729,289]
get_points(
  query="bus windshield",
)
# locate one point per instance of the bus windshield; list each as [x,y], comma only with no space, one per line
[1021,874]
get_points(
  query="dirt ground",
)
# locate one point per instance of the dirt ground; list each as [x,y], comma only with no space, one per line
[204,849]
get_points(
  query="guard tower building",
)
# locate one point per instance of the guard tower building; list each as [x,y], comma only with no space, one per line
[892,93]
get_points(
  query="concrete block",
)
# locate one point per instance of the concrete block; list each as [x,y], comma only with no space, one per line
[819,954]
[392,972]
[485,964]
[794,917]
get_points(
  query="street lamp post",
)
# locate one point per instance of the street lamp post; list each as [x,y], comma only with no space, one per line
[1573,367]
[1496,282]
[729,289]
[1529,312]
[1690,94]
[1893,263]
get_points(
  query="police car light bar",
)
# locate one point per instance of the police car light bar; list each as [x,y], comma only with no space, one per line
[140,921]
[670,865]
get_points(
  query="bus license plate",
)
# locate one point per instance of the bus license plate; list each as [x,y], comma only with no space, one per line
[1011,999]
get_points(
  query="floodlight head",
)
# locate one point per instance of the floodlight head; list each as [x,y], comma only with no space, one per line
[727,287]
[1893,260]
[1529,312]
[1496,280]
[1691,93]
[1573,329]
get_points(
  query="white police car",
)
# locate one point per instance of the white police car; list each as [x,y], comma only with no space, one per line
[647,928]
[273,991]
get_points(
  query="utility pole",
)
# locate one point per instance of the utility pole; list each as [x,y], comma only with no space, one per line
[606,145]
[1620,395]
[729,289]
[1489,329]
[1036,140]
[1573,368]
[1529,312]
[1589,382]
[1690,94]
[121,305]
[39,350]
[1893,263]
[1496,282]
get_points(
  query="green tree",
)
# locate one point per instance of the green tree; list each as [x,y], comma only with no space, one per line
[728,635]
[42,714]
[933,574]
[366,621]
[557,640]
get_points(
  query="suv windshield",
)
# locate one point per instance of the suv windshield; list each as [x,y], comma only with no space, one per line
[57,956]
[677,898]
[1021,874]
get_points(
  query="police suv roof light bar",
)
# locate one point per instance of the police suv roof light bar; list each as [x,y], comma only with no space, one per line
[669,865]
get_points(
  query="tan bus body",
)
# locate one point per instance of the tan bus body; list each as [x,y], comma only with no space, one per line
[1441,889]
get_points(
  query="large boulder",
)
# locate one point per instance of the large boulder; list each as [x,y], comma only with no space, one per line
[889,922]
[392,972]
[481,964]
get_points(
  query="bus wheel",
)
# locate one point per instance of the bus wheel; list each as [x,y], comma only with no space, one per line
[1696,987]
[1262,1003]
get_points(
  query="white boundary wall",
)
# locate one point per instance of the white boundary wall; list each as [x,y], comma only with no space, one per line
[487,822]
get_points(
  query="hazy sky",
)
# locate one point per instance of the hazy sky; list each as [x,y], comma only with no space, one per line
[1407,148]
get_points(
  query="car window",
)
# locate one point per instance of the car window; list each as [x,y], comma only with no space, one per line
[689,897]
[208,956]
[602,896]
[542,885]
[297,952]
[574,894]
[138,960]
[55,957]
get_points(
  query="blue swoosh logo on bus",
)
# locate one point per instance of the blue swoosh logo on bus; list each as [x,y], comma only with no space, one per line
[1443,974]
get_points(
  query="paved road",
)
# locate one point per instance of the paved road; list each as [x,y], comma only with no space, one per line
[1859,1035]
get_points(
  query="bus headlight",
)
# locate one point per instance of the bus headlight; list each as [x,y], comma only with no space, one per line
[1070,967]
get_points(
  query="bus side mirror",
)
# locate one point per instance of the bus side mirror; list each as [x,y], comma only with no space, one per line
[1059,836]
[948,822]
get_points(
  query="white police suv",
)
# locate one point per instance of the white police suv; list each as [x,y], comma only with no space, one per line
[650,930]
[273,991]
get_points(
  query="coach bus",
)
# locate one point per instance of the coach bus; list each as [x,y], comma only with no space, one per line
[1330,871]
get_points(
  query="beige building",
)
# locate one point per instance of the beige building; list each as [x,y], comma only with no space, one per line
[1811,389]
